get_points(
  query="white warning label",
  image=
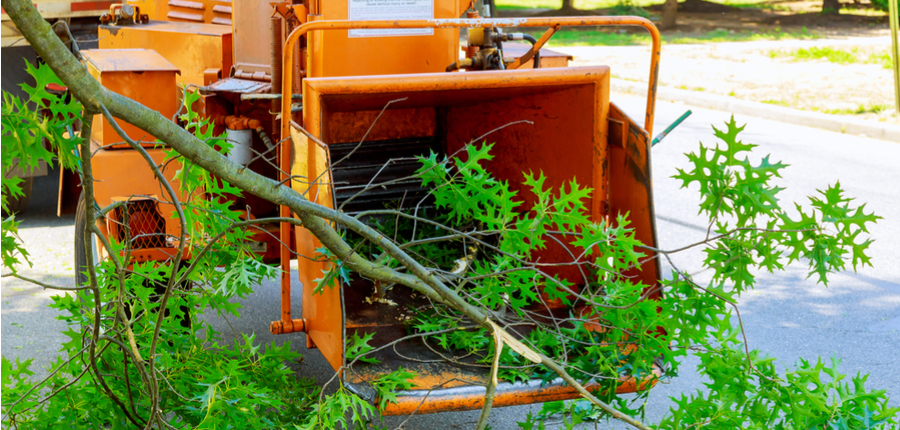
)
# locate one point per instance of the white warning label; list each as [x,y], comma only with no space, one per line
[389,10]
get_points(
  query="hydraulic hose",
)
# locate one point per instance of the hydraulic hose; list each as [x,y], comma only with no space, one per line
[537,52]
[265,137]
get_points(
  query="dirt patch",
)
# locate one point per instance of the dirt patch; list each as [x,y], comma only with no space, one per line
[821,20]
[858,18]
[700,6]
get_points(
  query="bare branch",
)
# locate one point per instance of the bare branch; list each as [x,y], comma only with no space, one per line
[42,284]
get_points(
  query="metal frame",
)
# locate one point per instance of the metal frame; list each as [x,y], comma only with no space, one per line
[314,25]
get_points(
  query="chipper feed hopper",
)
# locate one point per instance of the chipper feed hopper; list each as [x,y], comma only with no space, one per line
[373,84]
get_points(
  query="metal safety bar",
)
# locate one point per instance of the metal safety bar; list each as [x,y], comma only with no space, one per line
[319,24]
[294,37]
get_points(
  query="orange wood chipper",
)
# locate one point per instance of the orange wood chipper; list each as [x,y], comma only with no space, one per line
[307,80]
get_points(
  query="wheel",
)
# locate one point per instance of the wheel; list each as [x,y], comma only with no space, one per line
[81,278]
[81,267]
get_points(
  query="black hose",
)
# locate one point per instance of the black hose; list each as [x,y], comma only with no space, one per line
[537,52]
[265,138]
[499,43]
[490,3]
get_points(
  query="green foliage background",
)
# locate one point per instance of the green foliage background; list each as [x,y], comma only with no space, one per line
[883,4]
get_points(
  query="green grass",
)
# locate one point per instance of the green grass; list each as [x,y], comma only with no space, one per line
[834,55]
[573,37]
[777,103]
[884,59]
[861,109]
[627,7]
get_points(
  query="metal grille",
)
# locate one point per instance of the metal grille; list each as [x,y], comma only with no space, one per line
[140,220]
[371,160]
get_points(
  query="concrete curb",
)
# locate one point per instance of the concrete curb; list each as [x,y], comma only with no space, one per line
[836,123]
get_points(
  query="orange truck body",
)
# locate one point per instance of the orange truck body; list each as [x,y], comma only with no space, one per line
[315,75]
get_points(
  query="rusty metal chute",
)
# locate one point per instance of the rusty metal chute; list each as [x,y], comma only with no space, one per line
[326,81]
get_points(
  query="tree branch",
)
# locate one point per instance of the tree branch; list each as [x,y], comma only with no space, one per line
[313,216]
[41,284]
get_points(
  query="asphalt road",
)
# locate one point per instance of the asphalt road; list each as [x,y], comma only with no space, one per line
[856,318]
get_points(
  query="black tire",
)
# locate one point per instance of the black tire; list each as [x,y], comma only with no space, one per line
[81,278]
[80,257]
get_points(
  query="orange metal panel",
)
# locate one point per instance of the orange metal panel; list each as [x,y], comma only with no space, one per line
[194,11]
[565,142]
[155,10]
[197,11]
[456,99]
[252,35]
[91,5]
[393,124]
[157,254]
[323,312]
[138,74]
[192,48]
[128,60]
[507,394]
[631,190]
[314,25]
[125,173]
[567,138]
[337,53]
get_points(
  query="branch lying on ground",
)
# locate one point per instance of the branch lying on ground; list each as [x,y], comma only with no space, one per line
[315,218]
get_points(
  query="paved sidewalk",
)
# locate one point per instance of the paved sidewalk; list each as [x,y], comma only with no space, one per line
[761,72]
[839,123]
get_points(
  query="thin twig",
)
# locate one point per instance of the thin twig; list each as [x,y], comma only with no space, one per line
[41,284]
